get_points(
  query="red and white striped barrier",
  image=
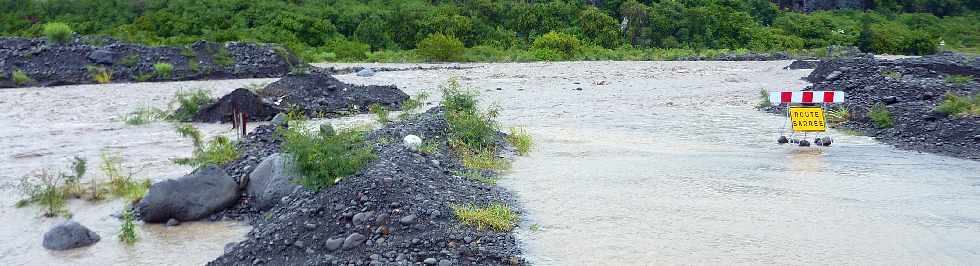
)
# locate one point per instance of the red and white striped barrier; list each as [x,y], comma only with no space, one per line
[806,97]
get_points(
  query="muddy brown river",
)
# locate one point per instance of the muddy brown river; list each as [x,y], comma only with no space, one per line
[636,163]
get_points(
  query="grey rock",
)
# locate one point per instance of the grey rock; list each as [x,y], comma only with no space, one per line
[890,99]
[279,119]
[334,243]
[173,222]
[102,56]
[189,198]
[833,75]
[362,218]
[445,262]
[430,261]
[367,72]
[271,181]
[408,220]
[354,240]
[68,235]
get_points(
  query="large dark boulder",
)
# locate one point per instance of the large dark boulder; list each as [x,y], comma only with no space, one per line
[191,197]
[271,180]
[69,235]
[241,100]
[318,92]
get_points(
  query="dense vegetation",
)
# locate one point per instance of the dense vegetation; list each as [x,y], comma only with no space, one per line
[392,30]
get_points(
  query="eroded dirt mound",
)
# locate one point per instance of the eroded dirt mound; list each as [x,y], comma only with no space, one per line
[319,93]
[46,63]
[395,211]
[241,101]
[911,89]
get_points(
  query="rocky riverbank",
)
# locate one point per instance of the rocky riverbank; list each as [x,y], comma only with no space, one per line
[910,89]
[395,211]
[93,59]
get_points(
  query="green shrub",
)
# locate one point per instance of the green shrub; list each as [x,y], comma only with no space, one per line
[348,50]
[127,231]
[521,140]
[323,158]
[763,99]
[469,128]
[880,116]
[130,60]
[100,75]
[222,58]
[45,189]
[958,79]
[600,27]
[496,216]
[188,103]
[562,43]
[20,78]
[961,106]
[163,70]
[142,115]
[123,184]
[441,47]
[838,116]
[57,32]
[217,151]
[546,55]
[380,112]
[413,104]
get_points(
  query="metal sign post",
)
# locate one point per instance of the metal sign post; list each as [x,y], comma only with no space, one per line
[806,113]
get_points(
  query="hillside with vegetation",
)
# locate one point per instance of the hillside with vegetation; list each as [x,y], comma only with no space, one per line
[496,30]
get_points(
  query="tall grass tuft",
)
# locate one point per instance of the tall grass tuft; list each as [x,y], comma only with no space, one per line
[520,139]
[322,158]
[763,99]
[496,216]
[163,70]
[413,104]
[958,79]
[838,116]
[960,106]
[380,112]
[45,189]
[122,184]
[187,103]
[127,231]
[57,32]
[100,75]
[217,151]
[20,78]
[880,116]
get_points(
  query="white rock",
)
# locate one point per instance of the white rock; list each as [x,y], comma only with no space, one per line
[412,142]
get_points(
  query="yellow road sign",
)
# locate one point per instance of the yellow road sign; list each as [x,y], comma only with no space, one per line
[807,119]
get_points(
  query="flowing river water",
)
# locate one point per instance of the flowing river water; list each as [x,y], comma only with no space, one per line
[635,163]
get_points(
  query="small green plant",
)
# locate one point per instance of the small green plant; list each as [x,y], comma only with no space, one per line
[73,187]
[163,70]
[143,77]
[429,147]
[188,103]
[380,112]
[441,47]
[892,74]
[535,228]
[322,158]
[127,232]
[188,52]
[100,75]
[20,78]
[217,151]
[122,185]
[477,175]
[838,116]
[880,116]
[130,60]
[472,132]
[960,106]
[413,104]
[484,159]
[520,139]
[764,99]
[958,79]
[222,58]
[46,190]
[142,116]
[57,32]
[496,216]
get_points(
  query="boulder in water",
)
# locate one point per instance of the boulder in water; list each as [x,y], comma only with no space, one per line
[191,197]
[69,235]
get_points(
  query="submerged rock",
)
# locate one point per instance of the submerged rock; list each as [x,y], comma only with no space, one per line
[69,235]
[270,181]
[188,198]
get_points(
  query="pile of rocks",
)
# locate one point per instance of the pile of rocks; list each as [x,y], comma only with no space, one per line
[48,63]
[395,211]
[911,89]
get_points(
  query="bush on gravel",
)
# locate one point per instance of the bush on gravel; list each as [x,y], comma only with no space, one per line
[880,116]
[324,157]
[20,78]
[961,106]
[163,70]
[57,32]
[217,151]
[472,132]
[496,216]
